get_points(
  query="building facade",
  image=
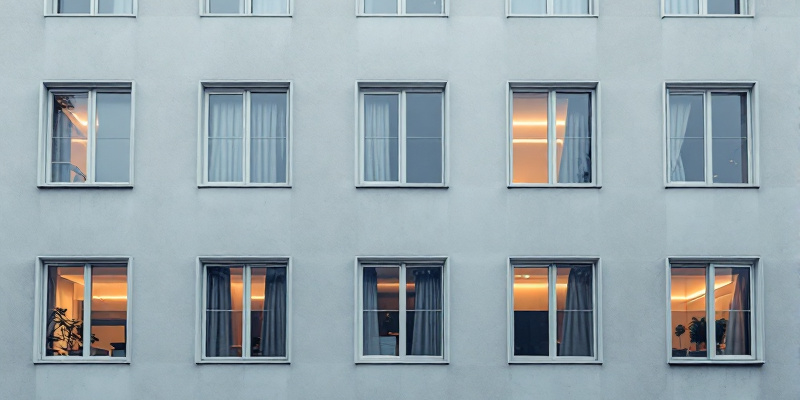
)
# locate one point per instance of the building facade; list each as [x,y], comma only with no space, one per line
[388,145]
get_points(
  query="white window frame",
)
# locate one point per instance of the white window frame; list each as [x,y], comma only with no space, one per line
[593,88]
[747,7]
[597,289]
[593,11]
[200,317]
[401,7]
[41,314]
[248,10]
[51,10]
[706,89]
[245,89]
[402,262]
[756,309]
[400,88]
[46,108]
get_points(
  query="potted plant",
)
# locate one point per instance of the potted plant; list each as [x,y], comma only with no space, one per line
[681,352]
[66,335]
[697,335]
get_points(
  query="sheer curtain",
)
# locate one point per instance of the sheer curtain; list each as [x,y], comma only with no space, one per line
[682,6]
[270,7]
[225,140]
[370,306]
[268,138]
[219,337]
[427,337]
[377,133]
[679,109]
[578,338]
[576,155]
[273,326]
[737,340]
[565,7]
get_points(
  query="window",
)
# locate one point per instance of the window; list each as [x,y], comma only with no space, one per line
[709,133]
[248,7]
[722,291]
[705,7]
[74,329]
[552,135]
[80,153]
[553,311]
[402,311]
[402,7]
[245,310]
[246,135]
[402,135]
[93,7]
[550,7]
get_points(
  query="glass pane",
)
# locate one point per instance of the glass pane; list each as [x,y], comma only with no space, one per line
[115,6]
[573,137]
[733,310]
[65,302]
[686,138]
[270,7]
[268,130]
[225,6]
[729,137]
[74,6]
[424,6]
[424,306]
[682,6]
[70,136]
[529,143]
[381,305]
[570,7]
[575,310]
[225,138]
[268,311]
[531,305]
[224,295]
[724,7]
[380,6]
[529,7]
[113,124]
[424,137]
[381,151]
[688,307]
[109,311]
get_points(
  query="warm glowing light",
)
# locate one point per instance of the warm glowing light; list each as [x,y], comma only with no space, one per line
[530,285]
[256,297]
[110,297]
[699,293]
[536,141]
[537,123]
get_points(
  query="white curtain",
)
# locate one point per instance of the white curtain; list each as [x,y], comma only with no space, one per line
[370,307]
[377,162]
[219,336]
[682,6]
[737,341]
[578,338]
[427,337]
[679,109]
[123,7]
[270,7]
[576,155]
[225,141]
[566,7]
[273,326]
[268,139]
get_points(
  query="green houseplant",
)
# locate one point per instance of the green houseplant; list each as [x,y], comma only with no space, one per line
[66,334]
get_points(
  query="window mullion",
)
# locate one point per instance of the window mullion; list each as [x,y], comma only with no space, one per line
[550,8]
[402,137]
[707,136]
[402,318]
[703,7]
[552,310]
[246,136]
[246,323]
[248,6]
[711,317]
[401,7]
[87,312]
[551,137]
[95,7]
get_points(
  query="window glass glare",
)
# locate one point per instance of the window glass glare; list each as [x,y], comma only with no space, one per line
[70,135]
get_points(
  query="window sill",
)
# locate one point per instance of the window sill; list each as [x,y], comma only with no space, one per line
[400,186]
[246,15]
[244,186]
[708,16]
[702,186]
[398,361]
[552,16]
[81,360]
[282,361]
[92,15]
[86,186]
[518,361]
[548,186]
[716,362]
[402,15]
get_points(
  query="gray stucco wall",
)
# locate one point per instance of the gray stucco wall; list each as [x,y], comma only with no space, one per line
[323,222]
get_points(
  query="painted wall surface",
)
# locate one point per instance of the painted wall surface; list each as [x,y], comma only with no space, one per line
[323,222]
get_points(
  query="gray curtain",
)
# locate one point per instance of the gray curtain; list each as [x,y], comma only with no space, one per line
[738,333]
[377,132]
[52,276]
[225,138]
[682,6]
[679,109]
[219,337]
[576,155]
[427,337]
[273,325]
[370,306]
[268,138]
[566,7]
[578,339]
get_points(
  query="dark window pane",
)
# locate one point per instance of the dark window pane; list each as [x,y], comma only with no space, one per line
[115,6]
[424,6]
[424,137]
[729,137]
[380,6]
[528,6]
[225,6]
[74,6]
[113,126]
[724,7]
[531,305]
